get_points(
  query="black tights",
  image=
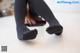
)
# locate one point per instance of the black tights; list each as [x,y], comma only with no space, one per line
[37,7]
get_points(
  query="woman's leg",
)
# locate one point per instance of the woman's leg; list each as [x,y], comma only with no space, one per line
[20,13]
[36,20]
[40,7]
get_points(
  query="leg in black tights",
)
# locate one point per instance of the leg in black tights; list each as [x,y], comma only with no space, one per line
[32,14]
[22,31]
[40,7]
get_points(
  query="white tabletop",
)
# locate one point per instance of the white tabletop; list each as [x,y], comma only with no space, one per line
[44,43]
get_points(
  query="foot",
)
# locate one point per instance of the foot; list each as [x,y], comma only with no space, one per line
[28,35]
[55,29]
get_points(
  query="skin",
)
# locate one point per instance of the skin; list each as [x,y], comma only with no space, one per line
[29,20]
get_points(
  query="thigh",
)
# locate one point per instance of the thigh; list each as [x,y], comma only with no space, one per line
[40,7]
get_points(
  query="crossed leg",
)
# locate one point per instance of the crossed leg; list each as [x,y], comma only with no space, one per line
[42,9]
[20,12]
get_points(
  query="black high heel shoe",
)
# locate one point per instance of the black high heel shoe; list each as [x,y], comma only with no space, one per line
[39,22]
